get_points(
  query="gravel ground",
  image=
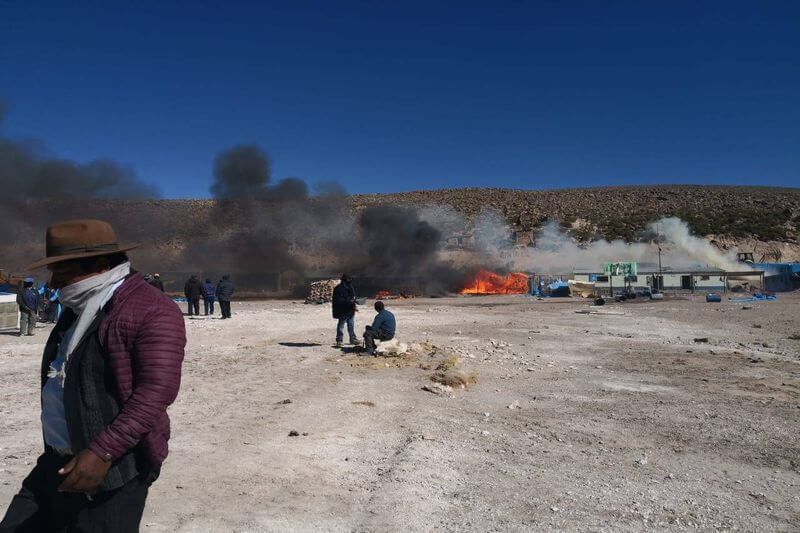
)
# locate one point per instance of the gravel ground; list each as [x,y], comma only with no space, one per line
[615,421]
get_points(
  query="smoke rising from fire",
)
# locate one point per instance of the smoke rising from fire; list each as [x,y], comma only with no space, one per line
[259,229]
[397,241]
[555,251]
[283,228]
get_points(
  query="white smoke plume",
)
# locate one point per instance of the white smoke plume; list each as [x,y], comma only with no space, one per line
[556,252]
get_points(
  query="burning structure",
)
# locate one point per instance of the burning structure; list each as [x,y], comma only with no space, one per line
[486,282]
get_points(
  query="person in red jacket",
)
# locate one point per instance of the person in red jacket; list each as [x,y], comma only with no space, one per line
[110,369]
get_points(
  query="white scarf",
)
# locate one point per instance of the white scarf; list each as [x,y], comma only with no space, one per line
[85,298]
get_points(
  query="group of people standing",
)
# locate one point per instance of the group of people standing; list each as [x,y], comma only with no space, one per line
[194,290]
[210,292]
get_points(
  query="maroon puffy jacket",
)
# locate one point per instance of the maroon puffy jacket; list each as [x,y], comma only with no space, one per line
[144,336]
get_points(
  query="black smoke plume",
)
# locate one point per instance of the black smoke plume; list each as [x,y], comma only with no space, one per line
[403,250]
[397,241]
[28,170]
[271,231]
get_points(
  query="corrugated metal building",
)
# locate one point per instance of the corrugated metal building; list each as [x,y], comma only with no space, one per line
[779,277]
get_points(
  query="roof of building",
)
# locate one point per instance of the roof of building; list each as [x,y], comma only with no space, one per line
[698,271]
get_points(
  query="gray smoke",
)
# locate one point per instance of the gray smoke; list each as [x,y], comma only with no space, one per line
[281,227]
[397,241]
[243,172]
[264,230]
[40,188]
[556,252]
[28,170]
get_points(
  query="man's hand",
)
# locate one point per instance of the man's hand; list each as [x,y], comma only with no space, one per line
[84,472]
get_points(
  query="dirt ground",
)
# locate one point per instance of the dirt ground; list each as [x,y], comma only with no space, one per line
[615,421]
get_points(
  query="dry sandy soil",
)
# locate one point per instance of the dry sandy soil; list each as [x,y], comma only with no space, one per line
[619,421]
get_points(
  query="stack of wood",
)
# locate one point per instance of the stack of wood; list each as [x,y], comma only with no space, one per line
[321,291]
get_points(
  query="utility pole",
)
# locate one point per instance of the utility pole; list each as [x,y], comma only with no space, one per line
[658,242]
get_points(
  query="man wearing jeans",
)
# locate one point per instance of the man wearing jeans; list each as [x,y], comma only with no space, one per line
[344,309]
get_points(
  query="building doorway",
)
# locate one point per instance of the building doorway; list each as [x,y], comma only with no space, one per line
[686,282]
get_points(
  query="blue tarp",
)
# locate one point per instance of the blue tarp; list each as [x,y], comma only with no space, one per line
[756,298]
[558,288]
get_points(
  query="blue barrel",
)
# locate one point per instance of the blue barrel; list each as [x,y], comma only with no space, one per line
[713,298]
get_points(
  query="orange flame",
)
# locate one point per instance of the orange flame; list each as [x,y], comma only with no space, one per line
[486,282]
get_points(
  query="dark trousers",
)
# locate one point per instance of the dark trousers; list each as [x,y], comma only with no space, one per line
[225,307]
[194,304]
[371,335]
[39,507]
[208,304]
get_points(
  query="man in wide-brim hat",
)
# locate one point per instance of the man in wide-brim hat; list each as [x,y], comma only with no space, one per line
[110,369]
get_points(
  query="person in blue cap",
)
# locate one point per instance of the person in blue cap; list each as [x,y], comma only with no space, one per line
[28,302]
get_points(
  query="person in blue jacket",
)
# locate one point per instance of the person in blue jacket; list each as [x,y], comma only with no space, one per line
[209,295]
[382,328]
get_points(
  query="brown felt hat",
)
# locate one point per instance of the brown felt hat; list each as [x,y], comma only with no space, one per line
[76,239]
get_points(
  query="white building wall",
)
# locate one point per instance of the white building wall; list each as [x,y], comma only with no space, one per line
[671,281]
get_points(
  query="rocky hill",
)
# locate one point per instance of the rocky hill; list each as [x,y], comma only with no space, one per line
[759,213]
[185,234]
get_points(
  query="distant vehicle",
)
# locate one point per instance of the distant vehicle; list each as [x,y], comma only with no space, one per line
[624,294]
[653,294]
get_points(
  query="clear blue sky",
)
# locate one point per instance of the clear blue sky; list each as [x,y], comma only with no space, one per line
[390,96]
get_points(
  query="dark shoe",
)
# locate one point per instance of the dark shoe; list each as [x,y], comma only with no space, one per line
[355,342]
[339,344]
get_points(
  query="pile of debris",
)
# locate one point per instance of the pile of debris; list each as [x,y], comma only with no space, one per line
[321,291]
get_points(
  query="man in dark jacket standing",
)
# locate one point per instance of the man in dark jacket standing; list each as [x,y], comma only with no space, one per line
[193,290]
[225,290]
[209,294]
[110,369]
[156,282]
[343,303]
[28,303]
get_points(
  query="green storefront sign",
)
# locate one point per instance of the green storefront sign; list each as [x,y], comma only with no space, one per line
[620,269]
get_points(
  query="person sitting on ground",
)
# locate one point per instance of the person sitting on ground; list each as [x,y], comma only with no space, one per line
[382,328]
